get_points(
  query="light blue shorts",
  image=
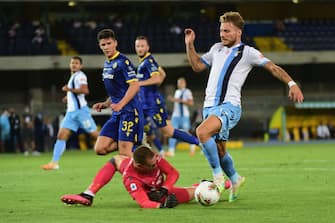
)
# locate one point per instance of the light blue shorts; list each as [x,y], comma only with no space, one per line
[229,115]
[181,123]
[81,118]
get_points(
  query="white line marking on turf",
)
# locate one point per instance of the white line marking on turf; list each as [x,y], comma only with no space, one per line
[283,169]
[316,161]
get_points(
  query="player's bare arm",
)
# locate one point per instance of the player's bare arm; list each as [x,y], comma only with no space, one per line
[82,90]
[102,105]
[162,74]
[134,87]
[155,79]
[295,94]
[188,102]
[192,56]
[64,99]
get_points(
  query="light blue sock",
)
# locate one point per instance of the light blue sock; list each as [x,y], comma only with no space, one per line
[227,165]
[59,149]
[210,150]
[172,143]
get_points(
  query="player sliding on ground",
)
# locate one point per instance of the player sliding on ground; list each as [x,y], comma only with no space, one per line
[148,178]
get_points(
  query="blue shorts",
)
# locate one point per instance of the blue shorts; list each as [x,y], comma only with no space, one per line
[80,118]
[124,126]
[158,114]
[181,123]
[149,126]
[229,115]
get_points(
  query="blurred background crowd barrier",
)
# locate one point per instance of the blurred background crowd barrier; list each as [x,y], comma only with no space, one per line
[38,38]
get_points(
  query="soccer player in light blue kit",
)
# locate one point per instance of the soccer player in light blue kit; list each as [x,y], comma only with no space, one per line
[180,118]
[153,104]
[229,62]
[77,114]
[4,129]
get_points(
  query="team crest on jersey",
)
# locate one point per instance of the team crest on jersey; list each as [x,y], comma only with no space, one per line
[114,65]
[133,187]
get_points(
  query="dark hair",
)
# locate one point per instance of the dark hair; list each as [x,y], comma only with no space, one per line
[233,17]
[142,153]
[105,34]
[181,78]
[77,58]
[142,38]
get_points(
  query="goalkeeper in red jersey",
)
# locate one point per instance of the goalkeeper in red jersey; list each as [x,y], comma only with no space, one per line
[149,179]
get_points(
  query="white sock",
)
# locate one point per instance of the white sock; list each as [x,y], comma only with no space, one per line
[171,149]
[218,178]
[89,193]
[192,148]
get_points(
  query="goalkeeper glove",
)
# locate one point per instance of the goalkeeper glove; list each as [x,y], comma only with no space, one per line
[170,202]
[157,195]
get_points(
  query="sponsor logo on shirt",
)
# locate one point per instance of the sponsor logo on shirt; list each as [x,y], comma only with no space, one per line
[108,76]
[133,187]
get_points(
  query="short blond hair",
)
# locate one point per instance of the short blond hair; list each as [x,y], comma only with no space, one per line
[234,18]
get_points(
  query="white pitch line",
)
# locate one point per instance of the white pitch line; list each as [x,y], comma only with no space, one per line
[316,161]
[285,169]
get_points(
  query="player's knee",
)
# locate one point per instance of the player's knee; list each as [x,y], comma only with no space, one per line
[202,134]
[95,135]
[167,134]
[100,150]
[125,150]
[62,136]
[168,131]
[100,153]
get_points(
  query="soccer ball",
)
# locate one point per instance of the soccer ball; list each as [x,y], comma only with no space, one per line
[205,194]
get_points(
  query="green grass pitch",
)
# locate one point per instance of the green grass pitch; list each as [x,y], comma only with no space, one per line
[285,183]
